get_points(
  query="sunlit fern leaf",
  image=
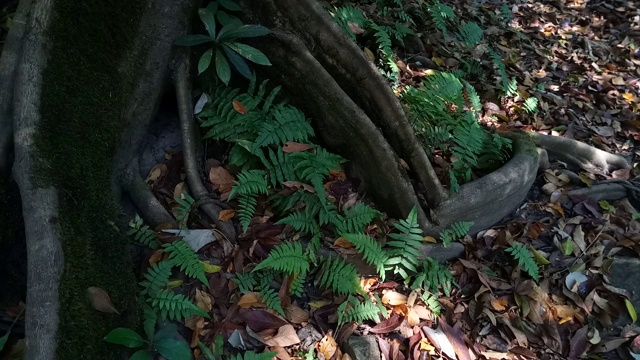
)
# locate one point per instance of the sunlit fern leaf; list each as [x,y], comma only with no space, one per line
[404,247]
[250,182]
[370,249]
[141,233]
[432,275]
[349,14]
[186,259]
[469,34]
[358,311]
[432,302]
[315,167]
[288,124]
[456,231]
[440,15]
[525,259]
[531,105]
[356,218]
[176,307]
[156,277]
[338,275]
[473,97]
[246,282]
[287,257]
[510,87]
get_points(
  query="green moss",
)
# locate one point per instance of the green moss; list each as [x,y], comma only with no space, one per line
[83,97]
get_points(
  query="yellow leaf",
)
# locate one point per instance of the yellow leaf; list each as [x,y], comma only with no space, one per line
[539,258]
[430,239]
[437,60]
[629,96]
[174,283]
[369,54]
[631,310]
[226,214]
[210,268]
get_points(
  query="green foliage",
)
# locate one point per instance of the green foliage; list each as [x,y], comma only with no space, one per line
[288,124]
[250,355]
[296,287]
[161,342]
[432,302]
[174,306]
[505,14]
[469,34]
[509,87]
[250,183]
[184,208]
[280,166]
[349,14]
[270,298]
[531,105]
[433,275]
[404,248]
[441,14]
[370,249]
[302,221]
[339,276]
[356,218]
[182,256]
[287,257]
[246,282]
[141,233]
[156,278]
[526,261]
[315,167]
[353,309]
[226,46]
[456,231]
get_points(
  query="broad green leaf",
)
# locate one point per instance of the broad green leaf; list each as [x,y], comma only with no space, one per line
[229,5]
[213,7]
[250,53]
[222,67]
[3,340]
[229,28]
[191,40]
[539,258]
[568,247]
[205,61]
[635,216]
[239,63]
[226,19]
[125,337]
[631,310]
[243,31]
[208,354]
[209,21]
[141,355]
[173,349]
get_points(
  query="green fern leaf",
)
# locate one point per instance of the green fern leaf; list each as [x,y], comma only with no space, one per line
[280,166]
[358,311]
[525,259]
[456,231]
[250,355]
[370,249]
[356,218]
[287,257]
[246,209]
[469,34]
[432,302]
[250,182]
[157,277]
[246,282]
[141,233]
[531,105]
[315,167]
[404,249]
[301,221]
[271,299]
[289,124]
[186,259]
[296,287]
[339,276]
[184,207]
[433,275]
[176,307]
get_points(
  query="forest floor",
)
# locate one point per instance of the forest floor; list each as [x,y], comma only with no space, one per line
[580,61]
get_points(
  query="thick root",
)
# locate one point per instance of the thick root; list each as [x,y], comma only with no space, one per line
[185,110]
[151,210]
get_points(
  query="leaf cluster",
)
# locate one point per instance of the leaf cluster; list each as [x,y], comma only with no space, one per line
[525,259]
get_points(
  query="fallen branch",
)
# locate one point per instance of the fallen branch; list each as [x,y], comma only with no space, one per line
[185,112]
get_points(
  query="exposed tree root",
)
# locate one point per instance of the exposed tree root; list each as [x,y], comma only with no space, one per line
[40,205]
[580,155]
[185,112]
[151,210]
[11,55]
[610,190]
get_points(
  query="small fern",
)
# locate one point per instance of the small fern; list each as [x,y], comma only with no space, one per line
[271,299]
[141,233]
[526,261]
[315,167]
[356,218]
[288,124]
[353,309]
[250,182]
[509,87]
[469,34]
[456,231]
[303,221]
[339,276]
[246,282]
[186,259]
[370,249]
[296,286]
[287,257]
[440,15]
[184,208]
[404,249]
[433,275]
[176,307]
[432,302]
[531,105]
[246,209]
[156,278]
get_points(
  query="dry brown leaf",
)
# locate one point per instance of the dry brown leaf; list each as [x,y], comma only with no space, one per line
[221,179]
[296,314]
[203,300]
[286,336]
[343,243]
[292,147]
[499,304]
[156,173]
[394,298]
[328,346]
[237,106]
[226,214]
[101,301]
[250,300]
[155,257]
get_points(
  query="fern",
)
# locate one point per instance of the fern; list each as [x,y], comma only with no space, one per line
[469,34]
[509,87]
[296,286]
[349,14]
[156,278]
[353,309]
[250,355]
[456,231]
[184,208]
[250,182]
[271,299]
[433,275]
[313,247]
[288,124]
[440,15]
[370,249]
[141,233]
[432,302]
[404,249]
[246,209]
[186,259]
[287,257]
[531,105]
[301,221]
[525,259]
[176,307]
[356,218]
[505,14]
[314,168]
[280,166]
[246,282]
[339,276]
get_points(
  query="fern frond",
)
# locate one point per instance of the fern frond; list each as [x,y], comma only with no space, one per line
[174,306]
[469,34]
[432,302]
[349,14]
[356,218]
[250,182]
[315,167]
[525,259]
[156,278]
[288,124]
[246,209]
[184,208]
[246,282]
[250,355]
[404,249]
[301,221]
[271,299]
[456,231]
[531,105]
[358,311]
[242,157]
[370,249]
[313,247]
[431,276]
[339,276]
[280,166]
[296,287]
[141,233]
[287,257]
[186,259]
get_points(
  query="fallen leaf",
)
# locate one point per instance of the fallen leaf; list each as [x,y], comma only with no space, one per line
[258,320]
[388,325]
[618,81]
[226,214]
[203,300]
[394,298]
[156,173]
[296,315]
[250,300]
[101,301]
[221,179]
[237,106]
[286,336]
[292,147]
[328,346]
